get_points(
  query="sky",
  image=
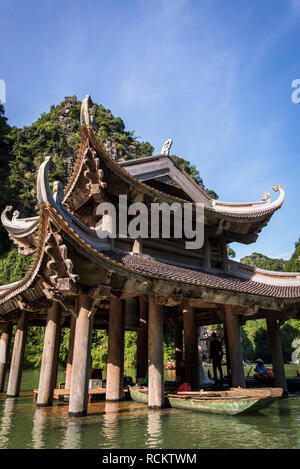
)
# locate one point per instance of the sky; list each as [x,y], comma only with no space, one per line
[215,76]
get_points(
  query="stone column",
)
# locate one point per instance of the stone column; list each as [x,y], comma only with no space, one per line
[142,341]
[115,355]
[16,366]
[4,351]
[50,355]
[235,348]
[276,352]
[155,355]
[191,362]
[81,357]
[70,352]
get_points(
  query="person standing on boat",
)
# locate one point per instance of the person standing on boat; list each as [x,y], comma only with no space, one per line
[215,354]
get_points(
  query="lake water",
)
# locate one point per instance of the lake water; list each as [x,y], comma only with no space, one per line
[128,424]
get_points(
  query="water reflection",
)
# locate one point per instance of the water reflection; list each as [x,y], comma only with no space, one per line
[154,429]
[110,426]
[38,431]
[73,435]
[8,413]
[131,425]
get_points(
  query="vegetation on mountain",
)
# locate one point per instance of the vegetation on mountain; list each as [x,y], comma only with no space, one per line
[263,262]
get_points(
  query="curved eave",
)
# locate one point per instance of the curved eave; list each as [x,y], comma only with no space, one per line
[251,210]
[11,291]
[128,265]
[251,213]
[146,268]
[18,227]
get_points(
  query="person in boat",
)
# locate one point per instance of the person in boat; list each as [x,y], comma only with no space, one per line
[260,367]
[215,354]
[261,372]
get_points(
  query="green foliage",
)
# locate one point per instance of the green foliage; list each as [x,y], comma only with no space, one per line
[231,253]
[255,341]
[193,172]
[99,348]
[130,349]
[293,265]
[13,266]
[57,133]
[263,262]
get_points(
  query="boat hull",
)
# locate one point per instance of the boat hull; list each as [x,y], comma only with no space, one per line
[138,395]
[224,407]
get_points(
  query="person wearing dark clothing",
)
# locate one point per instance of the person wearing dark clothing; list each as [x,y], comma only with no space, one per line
[215,355]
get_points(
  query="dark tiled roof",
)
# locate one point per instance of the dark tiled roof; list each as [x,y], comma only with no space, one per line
[147,265]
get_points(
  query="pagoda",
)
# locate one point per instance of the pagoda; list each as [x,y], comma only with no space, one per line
[81,281]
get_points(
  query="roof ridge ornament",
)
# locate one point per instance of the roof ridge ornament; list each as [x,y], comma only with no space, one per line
[58,192]
[85,118]
[166,147]
[266,197]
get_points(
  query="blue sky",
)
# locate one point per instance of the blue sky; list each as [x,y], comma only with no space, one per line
[214,75]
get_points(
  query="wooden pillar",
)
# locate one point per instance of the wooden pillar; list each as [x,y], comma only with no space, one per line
[142,341]
[81,357]
[224,253]
[56,352]
[206,252]
[70,352]
[115,355]
[235,348]
[50,354]
[276,352]
[227,353]
[155,355]
[4,351]
[16,366]
[178,346]
[190,347]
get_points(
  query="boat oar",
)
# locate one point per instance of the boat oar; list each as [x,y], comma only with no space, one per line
[249,372]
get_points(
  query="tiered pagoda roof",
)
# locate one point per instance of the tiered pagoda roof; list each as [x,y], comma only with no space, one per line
[69,256]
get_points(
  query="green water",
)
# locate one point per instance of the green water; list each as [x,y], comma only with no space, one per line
[128,424]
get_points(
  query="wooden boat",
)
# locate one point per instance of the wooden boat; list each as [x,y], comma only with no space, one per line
[232,402]
[293,384]
[138,394]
